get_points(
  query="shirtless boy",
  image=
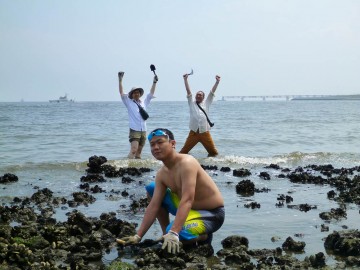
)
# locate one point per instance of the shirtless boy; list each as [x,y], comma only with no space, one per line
[185,190]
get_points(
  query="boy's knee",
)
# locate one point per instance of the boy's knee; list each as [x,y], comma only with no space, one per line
[150,189]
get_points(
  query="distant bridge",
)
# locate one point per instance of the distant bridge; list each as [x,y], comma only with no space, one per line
[295,97]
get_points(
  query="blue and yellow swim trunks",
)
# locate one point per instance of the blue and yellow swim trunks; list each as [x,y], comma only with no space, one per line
[197,223]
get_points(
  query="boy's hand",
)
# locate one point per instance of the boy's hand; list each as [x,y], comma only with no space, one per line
[129,240]
[171,242]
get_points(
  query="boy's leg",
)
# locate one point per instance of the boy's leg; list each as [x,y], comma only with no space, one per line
[190,142]
[163,218]
[199,225]
[168,206]
[207,141]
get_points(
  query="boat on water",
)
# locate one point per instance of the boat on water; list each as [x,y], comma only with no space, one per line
[327,97]
[61,99]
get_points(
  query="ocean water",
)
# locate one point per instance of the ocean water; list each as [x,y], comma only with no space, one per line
[48,145]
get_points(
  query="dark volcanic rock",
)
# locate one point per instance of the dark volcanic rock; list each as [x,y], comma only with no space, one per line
[127,180]
[317,260]
[8,178]
[210,167]
[252,205]
[111,171]
[80,224]
[304,207]
[225,169]
[140,204]
[43,195]
[336,214]
[92,178]
[346,243]
[283,197]
[306,178]
[95,163]
[241,173]
[265,175]
[38,241]
[245,188]
[235,241]
[273,166]
[292,245]
[81,198]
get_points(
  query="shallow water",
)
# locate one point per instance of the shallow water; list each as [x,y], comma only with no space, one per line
[48,145]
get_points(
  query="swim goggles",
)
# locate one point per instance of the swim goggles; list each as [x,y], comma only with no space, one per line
[158,132]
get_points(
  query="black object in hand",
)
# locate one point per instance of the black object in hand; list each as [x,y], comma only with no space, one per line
[152,68]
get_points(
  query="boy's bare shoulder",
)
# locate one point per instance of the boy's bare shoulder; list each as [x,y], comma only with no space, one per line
[161,171]
[188,161]
[188,158]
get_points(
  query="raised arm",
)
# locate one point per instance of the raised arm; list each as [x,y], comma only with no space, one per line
[155,80]
[187,87]
[217,77]
[121,89]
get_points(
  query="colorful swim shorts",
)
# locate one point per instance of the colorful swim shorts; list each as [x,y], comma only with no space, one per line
[197,223]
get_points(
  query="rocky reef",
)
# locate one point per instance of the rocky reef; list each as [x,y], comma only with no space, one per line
[31,238]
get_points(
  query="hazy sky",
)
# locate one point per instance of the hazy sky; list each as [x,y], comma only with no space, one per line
[258,47]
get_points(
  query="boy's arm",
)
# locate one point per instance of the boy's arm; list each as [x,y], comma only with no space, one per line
[153,208]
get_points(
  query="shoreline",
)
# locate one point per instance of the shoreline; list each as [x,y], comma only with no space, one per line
[92,234]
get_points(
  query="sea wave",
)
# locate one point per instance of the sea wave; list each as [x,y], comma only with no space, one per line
[46,166]
[124,163]
[293,159]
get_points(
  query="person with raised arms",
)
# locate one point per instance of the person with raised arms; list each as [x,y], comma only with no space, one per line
[200,123]
[136,107]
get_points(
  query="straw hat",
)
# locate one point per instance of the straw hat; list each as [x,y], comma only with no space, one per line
[134,89]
